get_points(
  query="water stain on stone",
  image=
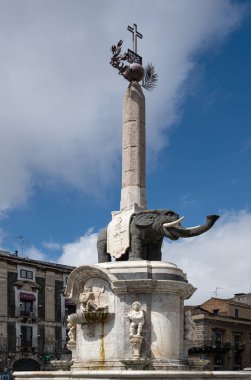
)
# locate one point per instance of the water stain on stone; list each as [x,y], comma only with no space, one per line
[102,347]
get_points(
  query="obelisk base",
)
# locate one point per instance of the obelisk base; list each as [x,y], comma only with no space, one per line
[131,195]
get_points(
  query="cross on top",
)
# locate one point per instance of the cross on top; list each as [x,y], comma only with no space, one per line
[135,34]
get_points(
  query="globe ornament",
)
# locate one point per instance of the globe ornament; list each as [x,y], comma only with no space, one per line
[134,72]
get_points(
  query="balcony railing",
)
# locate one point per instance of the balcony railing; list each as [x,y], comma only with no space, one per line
[239,346]
[28,349]
[210,346]
[27,315]
[24,313]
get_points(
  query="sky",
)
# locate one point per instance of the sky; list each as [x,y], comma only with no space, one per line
[60,129]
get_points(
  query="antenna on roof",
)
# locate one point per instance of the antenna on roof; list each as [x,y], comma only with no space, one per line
[22,243]
[216,292]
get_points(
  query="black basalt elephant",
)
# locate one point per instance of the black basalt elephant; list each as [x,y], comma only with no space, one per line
[147,231]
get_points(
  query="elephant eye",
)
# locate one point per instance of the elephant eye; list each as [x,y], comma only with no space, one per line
[170,213]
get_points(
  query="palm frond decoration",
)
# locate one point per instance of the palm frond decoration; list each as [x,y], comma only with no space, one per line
[150,79]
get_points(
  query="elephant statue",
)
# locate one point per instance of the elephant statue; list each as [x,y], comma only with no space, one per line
[147,230]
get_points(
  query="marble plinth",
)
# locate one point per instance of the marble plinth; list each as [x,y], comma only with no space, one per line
[152,334]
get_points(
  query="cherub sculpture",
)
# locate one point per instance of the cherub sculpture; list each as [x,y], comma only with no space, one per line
[87,298]
[136,316]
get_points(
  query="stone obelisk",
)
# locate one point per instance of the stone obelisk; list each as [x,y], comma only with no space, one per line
[133,191]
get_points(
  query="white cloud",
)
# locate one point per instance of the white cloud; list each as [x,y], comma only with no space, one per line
[36,254]
[80,252]
[220,258]
[51,245]
[61,101]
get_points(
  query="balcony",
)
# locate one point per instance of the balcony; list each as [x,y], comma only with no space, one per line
[207,346]
[239,347]
[28,350]
[27,316]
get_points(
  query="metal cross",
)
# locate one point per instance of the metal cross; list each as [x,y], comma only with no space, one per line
[135,34]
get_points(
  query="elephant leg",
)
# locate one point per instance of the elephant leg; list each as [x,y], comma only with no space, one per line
[154,252]
[158,253]
[103,256]
[136,251]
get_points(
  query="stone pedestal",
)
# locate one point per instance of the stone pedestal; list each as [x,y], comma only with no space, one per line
[186,346]
[118,335]
[136,342]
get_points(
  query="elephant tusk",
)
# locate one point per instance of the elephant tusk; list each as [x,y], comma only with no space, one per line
[173,223]
[192,228]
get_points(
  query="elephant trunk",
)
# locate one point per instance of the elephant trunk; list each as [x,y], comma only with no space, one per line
[180,231]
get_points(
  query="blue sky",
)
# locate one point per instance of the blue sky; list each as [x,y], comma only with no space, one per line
[61,128]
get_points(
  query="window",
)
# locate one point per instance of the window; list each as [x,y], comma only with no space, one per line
[237,358]
[236,313]
[26,274]
[26,307]
[65,278]
[218,359]
[26,336]
[237,341]
[70,307]
[216,312]
[217,338]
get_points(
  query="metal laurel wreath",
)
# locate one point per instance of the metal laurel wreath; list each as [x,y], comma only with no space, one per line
[117,57]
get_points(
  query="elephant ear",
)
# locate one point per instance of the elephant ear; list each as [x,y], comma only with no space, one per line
[145,219]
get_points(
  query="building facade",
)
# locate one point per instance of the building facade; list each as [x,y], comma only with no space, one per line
[222,332]
[33,312]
